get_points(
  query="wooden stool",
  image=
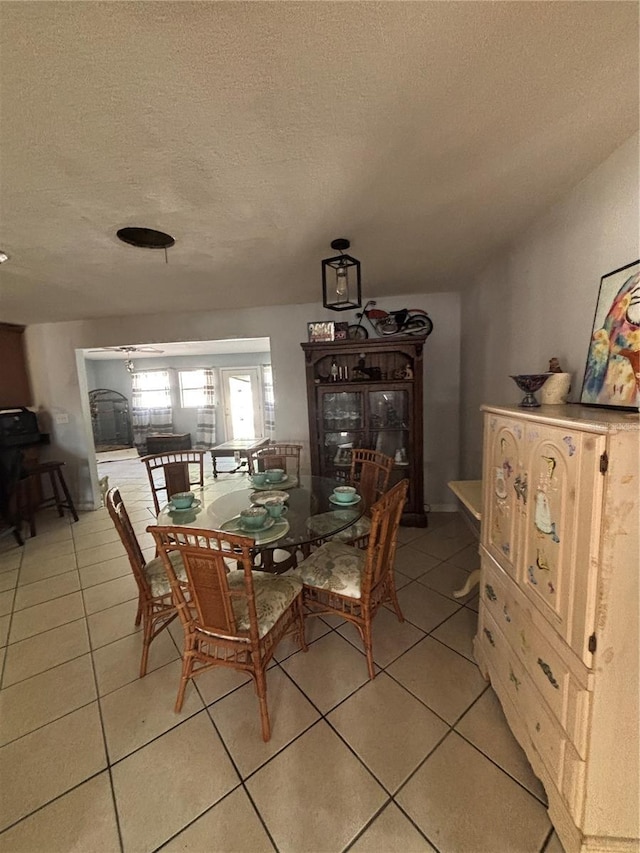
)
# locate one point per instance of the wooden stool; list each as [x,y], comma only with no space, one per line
[56,478]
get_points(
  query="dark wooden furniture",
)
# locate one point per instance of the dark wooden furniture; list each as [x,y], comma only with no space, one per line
[240,449]
[32,491]
[15,389]
[368,394]
[171,473]
[168,442]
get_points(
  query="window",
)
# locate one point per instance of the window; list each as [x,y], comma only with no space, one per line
[151,390]
[192,388]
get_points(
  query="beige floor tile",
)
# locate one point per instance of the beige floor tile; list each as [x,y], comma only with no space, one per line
[100,553]
[439,519]
[111,624]
[407,534]
[102,572]
[10,560]
[445,681]
[554,844]
[333,621]
[391,830]
[42,617]
[48,547]
[78,822]
[46,763]
[413,563]
[399,731]
[486,727]
[4,629]
[216,683]
[461,801]
[401,580]
[439,543]
[458,631]
[391,638]
[46,590]
[187,768]
[29,704]
[6,601]
[119,663]
[474,602]
[42,566]
[423,607]
[446,579]
[110,593]
[467,559]
[314,628]
[237,717]
[334,792]
[43,651]
[84,541]
[142,710]
[329,671]
[8,580]
[234,824]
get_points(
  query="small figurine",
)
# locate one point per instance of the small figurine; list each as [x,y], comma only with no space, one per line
[334,371]
[408,372]
[554,366]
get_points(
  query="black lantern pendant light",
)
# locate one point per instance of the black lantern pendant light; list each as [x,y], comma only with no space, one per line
[341,279]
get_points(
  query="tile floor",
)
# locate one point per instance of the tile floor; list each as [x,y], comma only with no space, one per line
[92,758]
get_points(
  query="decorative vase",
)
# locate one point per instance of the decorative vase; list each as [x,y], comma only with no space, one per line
[556,389]
[530,383]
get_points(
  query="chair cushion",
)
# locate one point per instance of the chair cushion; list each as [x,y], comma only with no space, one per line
[334,566]
[362,527]
[157,577]
[273,595]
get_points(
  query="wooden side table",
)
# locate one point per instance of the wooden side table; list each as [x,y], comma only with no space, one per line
[240,449]
[469,493]
[168,442]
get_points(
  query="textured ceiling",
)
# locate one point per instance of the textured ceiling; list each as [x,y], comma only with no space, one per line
[429,133]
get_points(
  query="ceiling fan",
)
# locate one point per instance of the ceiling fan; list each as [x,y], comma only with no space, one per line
[127,350]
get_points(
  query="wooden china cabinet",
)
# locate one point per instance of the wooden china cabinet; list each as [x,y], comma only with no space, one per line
[368,394]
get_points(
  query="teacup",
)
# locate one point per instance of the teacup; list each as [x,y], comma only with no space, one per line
[253,518]
[275,507]
[274,475]
[344,494]
[259,478]
[182,500]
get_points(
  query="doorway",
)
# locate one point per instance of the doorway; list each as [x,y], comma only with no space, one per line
[242,402]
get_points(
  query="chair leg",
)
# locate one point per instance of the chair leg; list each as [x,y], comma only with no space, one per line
[67,495]
[301,625]
[56,493]
[139,613]
[147,627]
[368,647]
[261,690]
[187,666]
[393,595]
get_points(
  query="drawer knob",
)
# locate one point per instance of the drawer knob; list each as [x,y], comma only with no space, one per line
[490,636]
[489,591]
[547,671]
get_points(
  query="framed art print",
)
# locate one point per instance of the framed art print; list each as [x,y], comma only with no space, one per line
[612,374]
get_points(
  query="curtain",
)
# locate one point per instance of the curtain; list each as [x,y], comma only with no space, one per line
[269,402]
[151,410]
[206,423]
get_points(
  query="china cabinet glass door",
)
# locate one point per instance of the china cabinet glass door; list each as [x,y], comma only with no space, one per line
[388,421]
[342,426]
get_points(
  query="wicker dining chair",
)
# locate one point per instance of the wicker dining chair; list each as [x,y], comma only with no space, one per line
[370,472]
[232,619]
[177,471]
[277,455]
[155,606]
[343,580]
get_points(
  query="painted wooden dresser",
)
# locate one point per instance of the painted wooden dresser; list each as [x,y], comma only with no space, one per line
[559,609]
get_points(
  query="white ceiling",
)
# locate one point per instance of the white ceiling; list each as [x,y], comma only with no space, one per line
[166,350]
[429,133]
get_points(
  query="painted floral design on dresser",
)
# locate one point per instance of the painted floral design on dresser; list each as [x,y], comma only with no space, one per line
[570,444]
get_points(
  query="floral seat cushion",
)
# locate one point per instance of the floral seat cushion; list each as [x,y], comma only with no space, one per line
[157,577]
[273,595]
[335,566]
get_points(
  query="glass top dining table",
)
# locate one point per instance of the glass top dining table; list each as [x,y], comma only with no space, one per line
[310,516]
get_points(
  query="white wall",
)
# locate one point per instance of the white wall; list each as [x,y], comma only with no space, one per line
[57,384]
[538,299]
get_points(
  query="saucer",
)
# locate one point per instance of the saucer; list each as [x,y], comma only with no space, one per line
[267,485]
[171,508]
[260,499]
[236,523]
[335,501]
[268,533]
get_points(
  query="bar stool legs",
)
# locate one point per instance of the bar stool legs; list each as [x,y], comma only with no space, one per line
[58,483]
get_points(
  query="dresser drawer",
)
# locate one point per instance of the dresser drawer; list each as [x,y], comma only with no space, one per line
[563,688]
[512,684]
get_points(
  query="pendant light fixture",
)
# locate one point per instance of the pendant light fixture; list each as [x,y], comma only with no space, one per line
[341,279]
